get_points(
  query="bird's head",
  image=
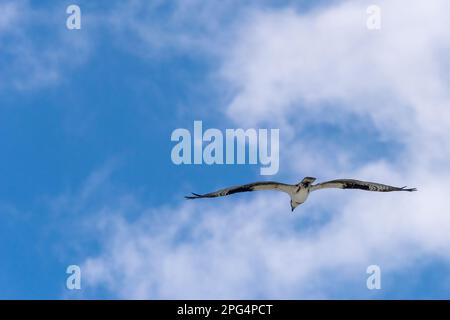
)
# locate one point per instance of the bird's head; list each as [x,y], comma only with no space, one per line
[306,182]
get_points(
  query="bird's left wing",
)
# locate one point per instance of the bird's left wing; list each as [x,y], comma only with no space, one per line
[358,184]
[256,186]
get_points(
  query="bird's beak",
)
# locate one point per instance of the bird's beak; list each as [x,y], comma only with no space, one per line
[292,209]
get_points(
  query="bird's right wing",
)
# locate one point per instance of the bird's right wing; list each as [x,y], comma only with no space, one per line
[264,185]
[358,184]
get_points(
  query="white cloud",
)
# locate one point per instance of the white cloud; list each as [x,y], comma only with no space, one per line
[321,67]
[286,63]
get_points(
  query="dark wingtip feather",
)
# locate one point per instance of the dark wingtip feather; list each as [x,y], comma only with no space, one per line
[408,189]
[196,196]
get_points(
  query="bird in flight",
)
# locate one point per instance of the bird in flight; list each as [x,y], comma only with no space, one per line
[299,192]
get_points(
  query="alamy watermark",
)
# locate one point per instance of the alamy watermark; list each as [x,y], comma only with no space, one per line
[374,280]
[73,281]
[73,21]
[373,21]
[235,146]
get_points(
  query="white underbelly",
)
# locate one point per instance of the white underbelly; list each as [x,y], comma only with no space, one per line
[300,196]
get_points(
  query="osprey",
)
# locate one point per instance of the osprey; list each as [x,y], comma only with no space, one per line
[299,192]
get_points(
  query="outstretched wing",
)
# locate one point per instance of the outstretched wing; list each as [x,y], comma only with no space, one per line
[264,185]
[357,184]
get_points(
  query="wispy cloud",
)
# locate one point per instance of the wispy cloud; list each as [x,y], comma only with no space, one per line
[36,48]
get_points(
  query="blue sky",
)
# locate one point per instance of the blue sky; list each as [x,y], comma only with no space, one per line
[85,123]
